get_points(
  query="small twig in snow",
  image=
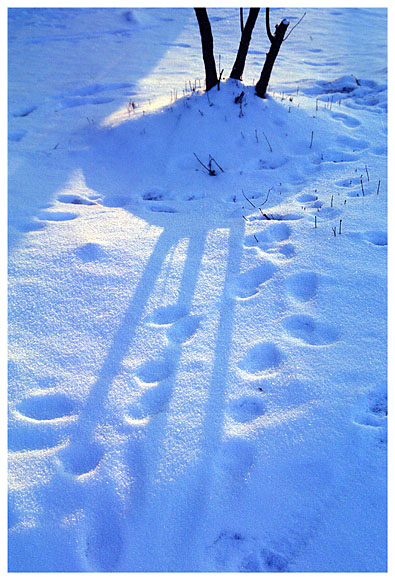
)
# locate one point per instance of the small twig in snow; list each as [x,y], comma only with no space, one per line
[267,140]
[250,202]
[293,28]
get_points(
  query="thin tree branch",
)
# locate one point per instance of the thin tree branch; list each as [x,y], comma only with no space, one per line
[298,22]
[269,34]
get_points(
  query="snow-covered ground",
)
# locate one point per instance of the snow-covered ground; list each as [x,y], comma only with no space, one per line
[197,363]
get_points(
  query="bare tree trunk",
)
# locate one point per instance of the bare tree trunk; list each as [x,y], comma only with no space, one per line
[207,47]
[276,41]
[238,67]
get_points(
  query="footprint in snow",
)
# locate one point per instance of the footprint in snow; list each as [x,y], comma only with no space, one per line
[248,284]
[262,358]
[154,371]
[46,407]
[90,252]
[238,457]
[156,195]
[57,216]
[310,201]
[71,102]
[94,89]
[41,418]
[16,136]
[166,315]
[276,217]
[184,329]
[152,402]
[104,540]
[31,226]
[302,286]
[328,213]
[287,250]
[309,330]
[375,237]
[162,209]
[35,436]
[307,198]
[117,201]
[236,552]
[76,199]
[273,233]
[352,143]
[372,408]
[247,409]
[24,111]
[347,120]
[182,326]
[273,561]
[81,459]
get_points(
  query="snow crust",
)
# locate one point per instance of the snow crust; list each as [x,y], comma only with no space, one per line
[197,296]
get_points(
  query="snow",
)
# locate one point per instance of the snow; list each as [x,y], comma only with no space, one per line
[197,356]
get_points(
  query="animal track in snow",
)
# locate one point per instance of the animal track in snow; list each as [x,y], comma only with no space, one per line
[235,552]
[328,213]
[272,163]
[168,314]
[247,285]
[309,330]
[33,436]
[375,237]
[354,144]
[339,156]
[260,358]
[71,102]
[287,250]
[347,120]
[94,89]
[81,459]
[46,407]
[31,226]
[24,111]
[306,198]
[238,457]
[76,199]
[272,233]
[117,201]
[90,252]
[163,209]
[152,402]
[273,561]
[184,329]
[104,540]
[16,136]
[372,408]
[58,216]
[277,217]
[247,409]
[155,371]
[156,195]
[302,286]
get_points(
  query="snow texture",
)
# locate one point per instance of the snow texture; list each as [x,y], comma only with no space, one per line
[197,294]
